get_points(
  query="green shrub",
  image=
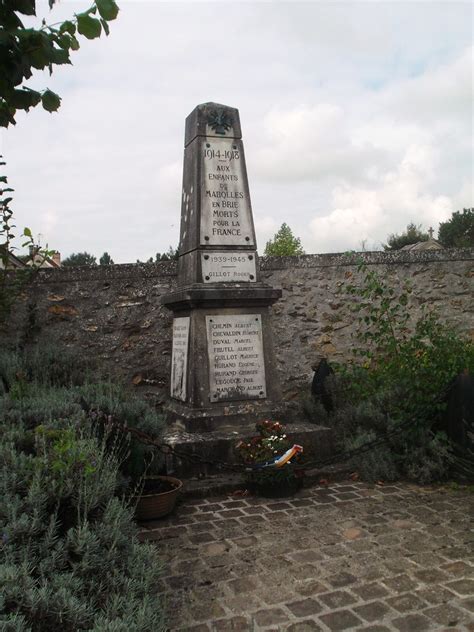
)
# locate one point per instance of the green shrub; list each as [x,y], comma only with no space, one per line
[69,554]
[398,380]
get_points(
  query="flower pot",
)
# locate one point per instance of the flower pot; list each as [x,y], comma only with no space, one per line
[152,505]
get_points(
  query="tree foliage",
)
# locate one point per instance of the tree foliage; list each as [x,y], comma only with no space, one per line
[171,254]
[458,232]
[412,235]
[12,285]
[106,260]
[80,259]
[24,50]
[396,387]
[284,243]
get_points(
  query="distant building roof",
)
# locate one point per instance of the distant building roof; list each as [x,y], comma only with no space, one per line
[430,244]
[13,260]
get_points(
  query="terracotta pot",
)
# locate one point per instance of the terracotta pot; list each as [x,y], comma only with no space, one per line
[154,505]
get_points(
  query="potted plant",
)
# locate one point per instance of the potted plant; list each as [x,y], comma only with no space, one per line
[273,465]
[157,498]
[134,430]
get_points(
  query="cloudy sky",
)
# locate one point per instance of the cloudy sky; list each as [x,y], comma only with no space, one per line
[356,118]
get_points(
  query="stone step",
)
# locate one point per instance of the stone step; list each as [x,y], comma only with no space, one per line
[317,442]
[225,484]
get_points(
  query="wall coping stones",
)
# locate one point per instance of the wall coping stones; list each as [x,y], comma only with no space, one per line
[125,271]
[122,271]
[370,258]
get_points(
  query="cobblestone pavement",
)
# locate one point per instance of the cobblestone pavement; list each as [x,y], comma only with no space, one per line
[346,557]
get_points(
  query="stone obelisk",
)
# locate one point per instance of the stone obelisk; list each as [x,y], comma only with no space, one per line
[223,369]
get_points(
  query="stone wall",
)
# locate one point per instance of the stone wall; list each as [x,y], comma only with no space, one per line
[113,313]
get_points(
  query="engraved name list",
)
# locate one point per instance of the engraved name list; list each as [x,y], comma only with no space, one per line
[236,364]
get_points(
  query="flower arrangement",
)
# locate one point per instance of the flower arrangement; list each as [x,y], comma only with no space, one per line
[259,453]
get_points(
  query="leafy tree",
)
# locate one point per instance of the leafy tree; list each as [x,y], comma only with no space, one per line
[24,50]
[458,232]
[80,259]
[106,260]
[412,235]
[284,243]
[170,255]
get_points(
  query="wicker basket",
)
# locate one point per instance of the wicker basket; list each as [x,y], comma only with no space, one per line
[157,505]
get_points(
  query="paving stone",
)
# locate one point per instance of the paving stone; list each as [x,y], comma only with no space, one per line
[270,617]
[202,538]
[231,504]
[340,580]
[306,571]
[252,520]
[406,602]
[373,611]
[435,594]
[304,626]
[216,548]
[304,608]
[352,534]
[245,542]
[205,612]
[210,508]
[458,568]
[374,628]
[274,596]
[431,576]
[230,513]
[447,615]
[412,623]
[310,587]
[306,556]
[242,585]
[234,624]
[202,526]
[340,620]
[337,599]
[468,604]
[337,550]
[462,586]
[245,603]
[371,591]
[400,583]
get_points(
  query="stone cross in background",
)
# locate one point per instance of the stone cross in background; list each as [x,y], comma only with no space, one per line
[223,370]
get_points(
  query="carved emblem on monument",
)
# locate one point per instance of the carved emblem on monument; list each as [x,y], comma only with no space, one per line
[219,121]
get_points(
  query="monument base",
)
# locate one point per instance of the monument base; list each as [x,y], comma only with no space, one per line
[227,375]
[224,417]
[220,445]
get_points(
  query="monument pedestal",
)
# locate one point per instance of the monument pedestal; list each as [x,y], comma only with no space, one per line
[230,376]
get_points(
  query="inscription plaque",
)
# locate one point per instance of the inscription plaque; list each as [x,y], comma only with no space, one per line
[236,363]
[179,357]
[225,206]
[228,266]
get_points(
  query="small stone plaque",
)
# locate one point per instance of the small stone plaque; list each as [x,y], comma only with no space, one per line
[236,363]
[179,357]
[228,267]
[226,218]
